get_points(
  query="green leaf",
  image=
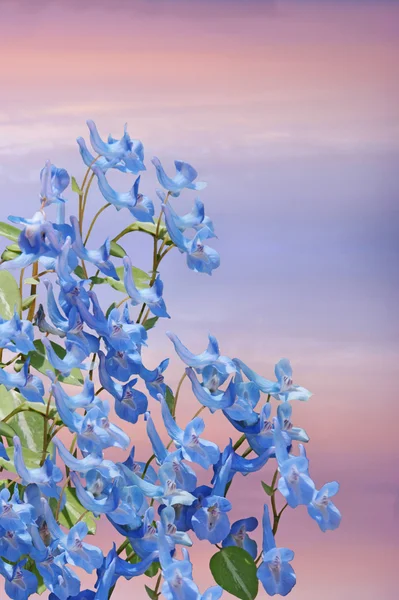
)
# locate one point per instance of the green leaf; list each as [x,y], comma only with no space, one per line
[170,399]
[28,426]
[9,231]
[10,298]
[151,593]
[147,228]
[141,279]
[268,489]
[117,250]
[31,459]
[75,187]
[111,307]
[73,511]
[31,281]
[79,272]
[149,323]
[9,254]
[235,571]
[26,302]
[39,361]
[6,430]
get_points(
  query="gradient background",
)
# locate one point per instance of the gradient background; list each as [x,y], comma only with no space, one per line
[290,111]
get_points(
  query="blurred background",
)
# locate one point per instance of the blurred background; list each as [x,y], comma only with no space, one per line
[289,110]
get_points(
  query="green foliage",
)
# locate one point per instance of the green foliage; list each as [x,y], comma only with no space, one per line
[10,298]
[39,361]
[9,231]
[170,399]
[141,279]
[268,489]
[117,250]
[75,187]
[151,593]
[235,571]
[28,301]
[150,323]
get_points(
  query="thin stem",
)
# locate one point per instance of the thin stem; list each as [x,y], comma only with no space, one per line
[33,288]
[122,301]
[92,368]
[57,512]
[99,391]
[123,545]
[158,583]
[246,452]
[86,194]
[178,392]
[147,312]
[141,312]
[98,213]
[21,283]
[239,442]
[147,464]
[268,398]
[11,360]
[45,428]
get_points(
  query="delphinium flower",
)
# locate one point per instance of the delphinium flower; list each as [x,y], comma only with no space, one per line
[76,370]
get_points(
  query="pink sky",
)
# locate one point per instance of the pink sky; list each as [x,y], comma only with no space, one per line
[290,112]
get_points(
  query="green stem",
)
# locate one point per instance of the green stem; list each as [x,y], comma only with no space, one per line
[33,288]
[57,511]
[158,583]
[178,392]
[147,464]
[21,283]
[98,213]
[122,546]
[45,428]
[239,442]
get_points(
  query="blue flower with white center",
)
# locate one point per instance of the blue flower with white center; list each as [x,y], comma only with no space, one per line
[239,537]
[200,257]
[140,206]
[275,573]
[13,544]
[185,476]
[54,182]
[125,150]
[214,399]
[284,389]
[14,516]
[19,583]
[184,178]
[322,510]
[132,404]
[284,412]
[194,448]
[294,484]
[151,296]
[99,162]
[156,385]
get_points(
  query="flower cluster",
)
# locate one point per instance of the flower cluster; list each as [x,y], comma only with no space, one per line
[56,477]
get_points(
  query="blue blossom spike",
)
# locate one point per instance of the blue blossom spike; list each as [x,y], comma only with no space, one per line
[239,537]
[322,510]
[53,183]
[152,296]
[184,178]
[275,573]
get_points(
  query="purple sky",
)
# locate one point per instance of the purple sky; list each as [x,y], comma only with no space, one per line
[289,110]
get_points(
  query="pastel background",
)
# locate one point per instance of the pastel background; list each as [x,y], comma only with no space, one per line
[289,110]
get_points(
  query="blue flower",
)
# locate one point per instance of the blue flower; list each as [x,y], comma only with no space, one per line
[132,404]
[194,448]
[53,182]
[211,356]
[184,178]
[156,385]
[16,334]
[13,544]
[283,389]
[125,150]
[139,205]
[151,296]
[46,476]
[168,491]
[19,583]
[100,161]
[14,516]
[294,484]
[99,258]
[238,536]
[322,510]
[214,399]
[200,257]
[275,573]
